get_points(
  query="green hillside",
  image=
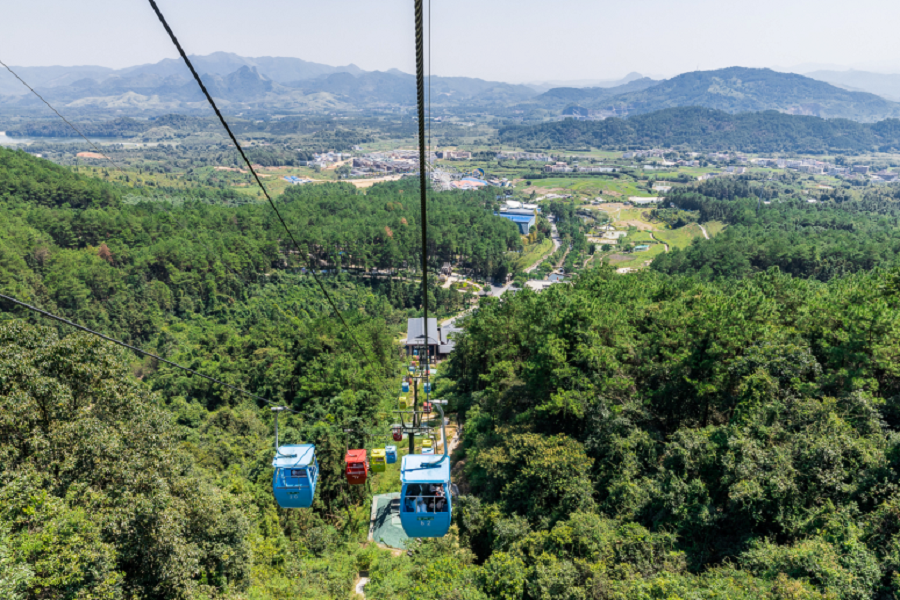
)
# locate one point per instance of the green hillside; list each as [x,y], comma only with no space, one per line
[822,240]
[739,89]
[709,129]
[724,425]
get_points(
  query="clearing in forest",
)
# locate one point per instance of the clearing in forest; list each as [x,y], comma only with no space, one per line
[681,237]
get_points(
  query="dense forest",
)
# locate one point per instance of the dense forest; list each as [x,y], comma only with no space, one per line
[123,477]
[708,129]
[654,436]
[821,239]
[70,243]
[723,425]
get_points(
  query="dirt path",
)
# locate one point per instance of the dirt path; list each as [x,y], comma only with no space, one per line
[364,183]
[662,242]
[563,259]
[703,229]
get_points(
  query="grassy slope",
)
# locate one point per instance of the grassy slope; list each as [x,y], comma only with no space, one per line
[533,253]
[713,228]
[681,237]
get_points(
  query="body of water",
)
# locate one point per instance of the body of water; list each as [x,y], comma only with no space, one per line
[5,140]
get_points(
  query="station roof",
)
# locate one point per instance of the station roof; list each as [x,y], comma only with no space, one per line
[297,455]
[415,332]
[421,468]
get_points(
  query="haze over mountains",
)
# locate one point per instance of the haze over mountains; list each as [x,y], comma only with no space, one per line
[738,90]
[292,84]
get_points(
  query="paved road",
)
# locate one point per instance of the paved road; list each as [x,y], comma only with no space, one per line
[452,320]
[554,235]
[497,291]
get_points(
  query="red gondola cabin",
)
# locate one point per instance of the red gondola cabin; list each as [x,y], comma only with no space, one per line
[357,467]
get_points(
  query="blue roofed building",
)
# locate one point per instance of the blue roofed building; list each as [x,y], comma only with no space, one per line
[522,220]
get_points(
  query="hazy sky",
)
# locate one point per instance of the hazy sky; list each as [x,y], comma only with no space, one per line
[507,40]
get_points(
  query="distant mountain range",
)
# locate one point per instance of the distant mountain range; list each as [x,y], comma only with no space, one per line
[291,84]
[281,70]
[591,96]
[886,85]
[236,81]
[543,86]
[739,89]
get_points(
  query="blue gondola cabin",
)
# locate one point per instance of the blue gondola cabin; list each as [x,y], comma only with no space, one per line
[390,453]
[426,507]
[296,473]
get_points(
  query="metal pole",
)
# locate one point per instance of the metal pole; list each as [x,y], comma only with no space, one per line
[276,410]
[443,427]
[412,435]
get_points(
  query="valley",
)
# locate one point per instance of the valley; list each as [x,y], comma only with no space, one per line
[579,339]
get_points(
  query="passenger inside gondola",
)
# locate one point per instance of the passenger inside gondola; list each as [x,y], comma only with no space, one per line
[413,491]
[440,502]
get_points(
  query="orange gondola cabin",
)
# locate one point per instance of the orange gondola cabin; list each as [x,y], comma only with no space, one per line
[357,467]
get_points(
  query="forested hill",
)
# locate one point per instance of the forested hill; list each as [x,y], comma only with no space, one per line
[821,240]
[707,129]
[69,242]
[650,436]
[739,89]
[122,478]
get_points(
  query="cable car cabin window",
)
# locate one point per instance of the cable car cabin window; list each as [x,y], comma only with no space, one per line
[426,507]
[295,476]
[425,498]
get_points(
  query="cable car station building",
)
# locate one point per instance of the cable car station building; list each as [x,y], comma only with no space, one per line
[440,344]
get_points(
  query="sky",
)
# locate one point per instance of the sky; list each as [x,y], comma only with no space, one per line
[501,40]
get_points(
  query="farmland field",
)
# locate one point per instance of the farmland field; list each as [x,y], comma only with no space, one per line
[681,237]
[636,259]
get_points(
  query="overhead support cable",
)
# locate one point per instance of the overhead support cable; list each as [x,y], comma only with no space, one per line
[212,103]
[423,193]
[65,321]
